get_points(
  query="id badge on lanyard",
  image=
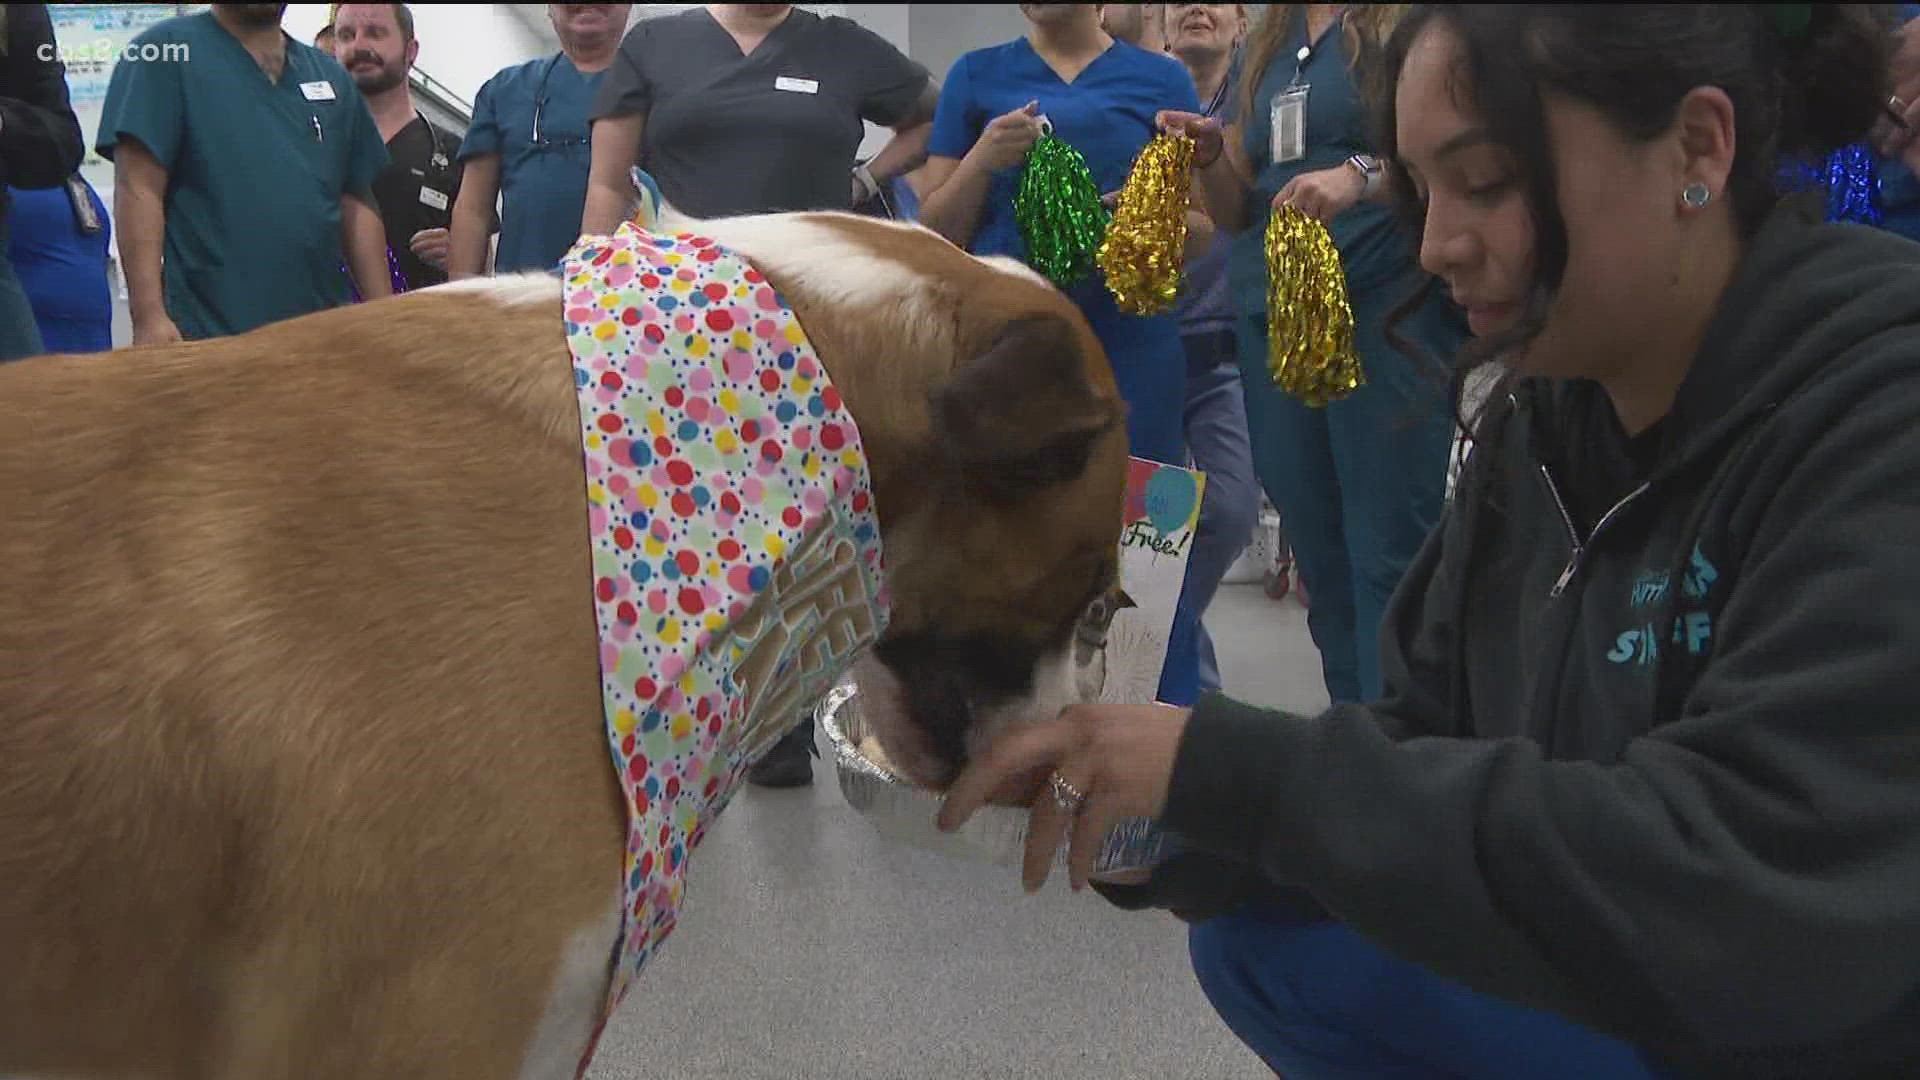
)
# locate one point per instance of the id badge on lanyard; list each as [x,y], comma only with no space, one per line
[1289,117]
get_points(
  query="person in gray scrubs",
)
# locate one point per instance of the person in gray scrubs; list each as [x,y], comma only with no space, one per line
[755,108]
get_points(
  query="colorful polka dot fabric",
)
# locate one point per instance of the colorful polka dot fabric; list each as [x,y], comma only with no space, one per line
[736,555]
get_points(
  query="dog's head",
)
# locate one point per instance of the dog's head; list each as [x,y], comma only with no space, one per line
[1007,559]
[997,442]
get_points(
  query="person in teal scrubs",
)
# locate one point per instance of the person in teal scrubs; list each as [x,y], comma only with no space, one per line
[249,158]
[530,143]
[1101,96]
[1359,484]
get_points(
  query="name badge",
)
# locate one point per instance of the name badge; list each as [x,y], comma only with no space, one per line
[317,91]
[435,199]
[1289,118]
[797,86]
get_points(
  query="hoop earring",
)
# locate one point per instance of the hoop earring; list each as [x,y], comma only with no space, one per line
[1695,195]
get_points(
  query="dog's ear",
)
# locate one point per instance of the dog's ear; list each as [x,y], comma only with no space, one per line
[1022,416]
[1122,600]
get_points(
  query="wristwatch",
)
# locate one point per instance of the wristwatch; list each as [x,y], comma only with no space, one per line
[864,177]
[1371,173]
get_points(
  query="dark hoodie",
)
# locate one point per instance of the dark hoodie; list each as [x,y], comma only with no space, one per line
[1650,750]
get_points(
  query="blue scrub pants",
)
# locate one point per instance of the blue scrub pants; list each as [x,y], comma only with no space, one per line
[1150,368]
[1316,1001]
[1216,423]
[1359,483]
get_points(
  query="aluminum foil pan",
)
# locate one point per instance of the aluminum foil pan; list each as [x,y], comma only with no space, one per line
[995,834]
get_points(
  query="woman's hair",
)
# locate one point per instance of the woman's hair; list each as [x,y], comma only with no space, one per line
[1365,31]
[1804,79]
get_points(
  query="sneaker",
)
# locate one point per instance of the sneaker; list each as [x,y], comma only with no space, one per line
[789,764]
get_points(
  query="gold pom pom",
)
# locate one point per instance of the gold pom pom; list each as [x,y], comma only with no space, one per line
[1142,252]
[1309,322]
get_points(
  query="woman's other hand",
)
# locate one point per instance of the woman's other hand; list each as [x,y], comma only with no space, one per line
[1323,194]
[1120,757]
[1205,131]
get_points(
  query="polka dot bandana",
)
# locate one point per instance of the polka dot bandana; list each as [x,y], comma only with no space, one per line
[736,556]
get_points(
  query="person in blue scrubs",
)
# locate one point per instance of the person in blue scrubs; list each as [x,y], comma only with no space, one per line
[1207,39]
[243,172]
[1359,484]
[1101,96]
[40,146]
[529,146]
[57,241]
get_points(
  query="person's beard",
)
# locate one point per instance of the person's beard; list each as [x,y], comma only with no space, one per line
[256,16]
[374,80]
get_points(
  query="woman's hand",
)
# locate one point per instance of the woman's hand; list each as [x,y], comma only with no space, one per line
[1324,194]
[1894,134]
[1119,756]
[1205,131]
[1008,137]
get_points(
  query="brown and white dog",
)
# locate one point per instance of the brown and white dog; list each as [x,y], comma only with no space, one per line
[282,794]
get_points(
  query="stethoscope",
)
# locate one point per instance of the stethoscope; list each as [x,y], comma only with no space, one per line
[540,103]
[439,162]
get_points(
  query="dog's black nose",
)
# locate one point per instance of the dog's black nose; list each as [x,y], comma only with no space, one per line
[946,717]
[947,682]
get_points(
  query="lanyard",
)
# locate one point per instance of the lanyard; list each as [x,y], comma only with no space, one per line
[1305,56]
[1220,95]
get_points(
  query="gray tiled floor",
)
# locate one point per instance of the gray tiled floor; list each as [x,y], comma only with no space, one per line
[812,948]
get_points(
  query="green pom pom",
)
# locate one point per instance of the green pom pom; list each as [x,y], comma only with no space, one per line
[1059,212]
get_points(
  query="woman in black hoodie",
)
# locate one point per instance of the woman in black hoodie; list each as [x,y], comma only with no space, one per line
[1649,753]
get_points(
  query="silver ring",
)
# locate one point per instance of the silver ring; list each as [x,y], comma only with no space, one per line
[1899,107]
[1071,800]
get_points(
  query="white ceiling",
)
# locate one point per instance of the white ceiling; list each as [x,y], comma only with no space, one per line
[534,16]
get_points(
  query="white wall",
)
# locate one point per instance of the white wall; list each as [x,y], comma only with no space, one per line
[940,33]
[461,45]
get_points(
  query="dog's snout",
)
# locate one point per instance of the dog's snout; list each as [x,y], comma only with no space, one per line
[947,718]
[950,684]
